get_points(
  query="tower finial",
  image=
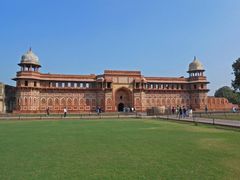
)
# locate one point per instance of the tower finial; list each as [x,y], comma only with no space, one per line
[30,49]
[195,58]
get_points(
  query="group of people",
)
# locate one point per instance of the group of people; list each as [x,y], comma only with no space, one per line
[64,111]
[128,109]
[182,111]
[98,110]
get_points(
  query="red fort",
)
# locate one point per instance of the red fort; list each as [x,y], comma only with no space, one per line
[112,91]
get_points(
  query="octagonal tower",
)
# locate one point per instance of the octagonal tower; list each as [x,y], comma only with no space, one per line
[28,83]
[197,85]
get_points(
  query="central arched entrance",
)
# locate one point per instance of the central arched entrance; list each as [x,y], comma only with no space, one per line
[120,107]
[123,99]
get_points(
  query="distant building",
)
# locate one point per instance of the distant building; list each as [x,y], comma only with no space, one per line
[2,97]
[7,98]
[111,91]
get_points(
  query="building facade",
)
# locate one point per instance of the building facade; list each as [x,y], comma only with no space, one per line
[2,97]
[7,98]
[112,91]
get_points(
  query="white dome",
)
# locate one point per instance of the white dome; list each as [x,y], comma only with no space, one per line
[30,58]
[196,65]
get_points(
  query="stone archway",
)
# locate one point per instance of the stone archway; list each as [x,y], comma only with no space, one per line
[123,99]
[120,107]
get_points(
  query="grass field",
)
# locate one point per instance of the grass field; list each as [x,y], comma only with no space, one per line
[117,149]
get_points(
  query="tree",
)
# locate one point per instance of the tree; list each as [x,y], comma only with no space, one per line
[229,94]
[236,72]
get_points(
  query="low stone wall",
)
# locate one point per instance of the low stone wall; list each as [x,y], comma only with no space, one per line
[220,104]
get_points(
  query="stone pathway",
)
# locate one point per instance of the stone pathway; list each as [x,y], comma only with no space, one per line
[223,122]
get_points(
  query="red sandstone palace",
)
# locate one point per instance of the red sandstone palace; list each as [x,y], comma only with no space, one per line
[112,90]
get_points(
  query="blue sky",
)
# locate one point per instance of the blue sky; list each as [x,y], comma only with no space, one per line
[158,37]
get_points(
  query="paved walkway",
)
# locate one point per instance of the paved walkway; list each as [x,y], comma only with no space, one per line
[222,122]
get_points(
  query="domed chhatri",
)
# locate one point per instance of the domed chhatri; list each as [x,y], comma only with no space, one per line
[29,62]
[196,65]
[30,58]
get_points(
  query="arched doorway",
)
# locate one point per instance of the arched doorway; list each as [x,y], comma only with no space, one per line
[123,99]
[120,107]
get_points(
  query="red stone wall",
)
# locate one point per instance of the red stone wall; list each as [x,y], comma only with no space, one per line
[219,104]
[58,91]
[37,102]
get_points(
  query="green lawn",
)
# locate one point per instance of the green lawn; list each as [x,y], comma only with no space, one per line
[117,149]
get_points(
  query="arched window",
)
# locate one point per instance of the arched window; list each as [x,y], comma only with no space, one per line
[168,101]
[56,102]
[87,102]
[164,101]
[69,102]
[153,101]
[50,102]
[109,101]
[148,101]
[222,101]
[81,102]
[30,101]
[178,102]
[75,102]
[138,102]
[25,101]
[43,101]
[63,102]
[183,101]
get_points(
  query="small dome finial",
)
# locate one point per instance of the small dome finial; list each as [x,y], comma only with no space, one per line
[30,58]
[196,65]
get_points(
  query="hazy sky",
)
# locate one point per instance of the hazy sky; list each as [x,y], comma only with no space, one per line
[158,37]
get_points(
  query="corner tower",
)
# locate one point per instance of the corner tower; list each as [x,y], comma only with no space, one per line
[197,85]
[28,83]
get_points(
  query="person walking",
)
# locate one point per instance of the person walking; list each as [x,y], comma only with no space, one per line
[173,110]
[177,111]
[190,112]
[206,109]
[65,112]
[47,111]
[98,110]
[180,112]
[184,112]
